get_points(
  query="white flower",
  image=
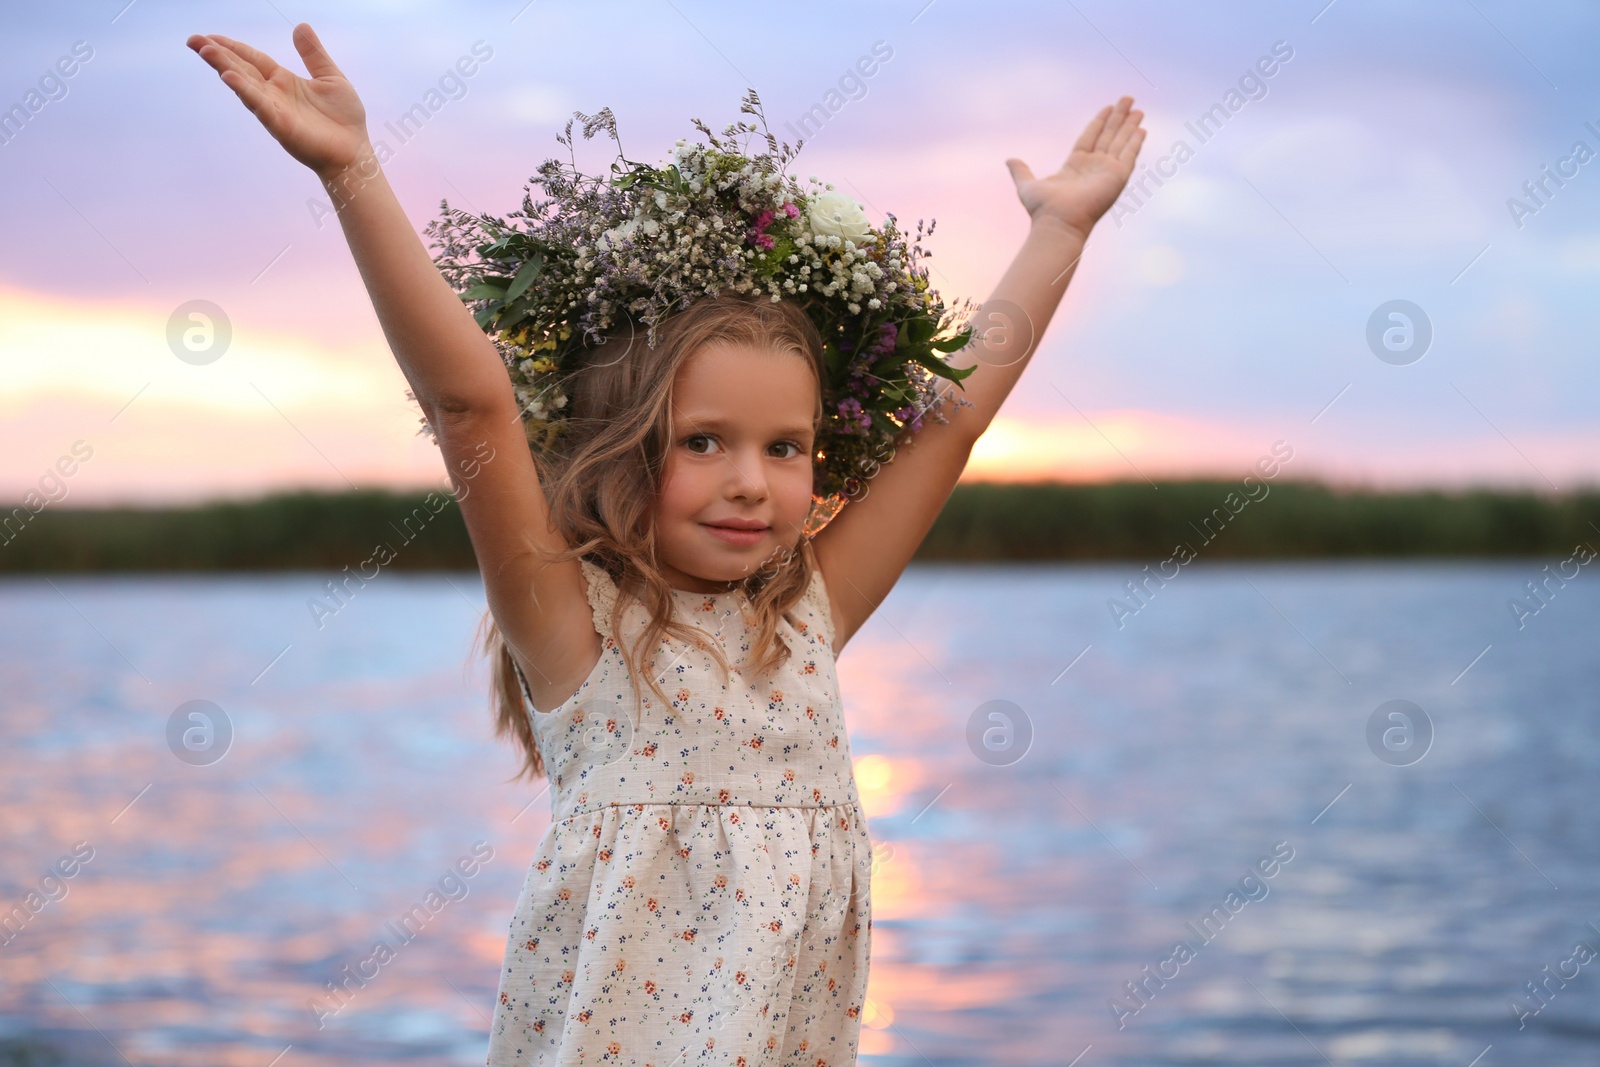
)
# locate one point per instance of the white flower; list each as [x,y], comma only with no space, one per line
[836,215]
[617,233]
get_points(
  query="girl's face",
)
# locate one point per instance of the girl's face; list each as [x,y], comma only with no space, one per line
[739,453]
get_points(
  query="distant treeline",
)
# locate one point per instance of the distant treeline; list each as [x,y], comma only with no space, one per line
[1226,520]
[1200,520]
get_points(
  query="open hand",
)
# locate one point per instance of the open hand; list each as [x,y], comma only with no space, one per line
[1093,176]
[319,121]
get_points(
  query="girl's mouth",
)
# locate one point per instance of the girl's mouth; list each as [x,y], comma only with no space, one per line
[734,536]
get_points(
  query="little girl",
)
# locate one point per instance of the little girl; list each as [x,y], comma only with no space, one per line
[702,895]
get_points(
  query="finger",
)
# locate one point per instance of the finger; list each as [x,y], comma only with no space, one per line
[1126,132]
[251,93]
[1112,124]
[223,60]
[263,63]
[1130,151]
[318,62]
[1020,171]
[218,58]
[1118,128]
[1091,132]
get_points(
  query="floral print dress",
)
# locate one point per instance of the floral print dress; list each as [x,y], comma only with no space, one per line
[702,895]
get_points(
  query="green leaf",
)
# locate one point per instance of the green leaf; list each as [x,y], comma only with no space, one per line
[515,312]
[525,276]
[940,367]
[918,331]
[487,314]
[485,290]
[956,343]
[833,358]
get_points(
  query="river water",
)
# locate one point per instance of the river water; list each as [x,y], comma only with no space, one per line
[1286,814]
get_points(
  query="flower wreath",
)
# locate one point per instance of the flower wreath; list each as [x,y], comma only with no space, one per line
[649,240]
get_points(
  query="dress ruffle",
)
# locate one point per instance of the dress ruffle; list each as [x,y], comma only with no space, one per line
[754,957]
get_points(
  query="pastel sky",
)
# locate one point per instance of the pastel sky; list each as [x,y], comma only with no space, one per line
[1226,310]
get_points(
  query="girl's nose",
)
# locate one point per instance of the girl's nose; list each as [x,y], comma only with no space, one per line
[749,475]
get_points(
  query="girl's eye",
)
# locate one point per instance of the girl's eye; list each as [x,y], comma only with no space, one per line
[690,444]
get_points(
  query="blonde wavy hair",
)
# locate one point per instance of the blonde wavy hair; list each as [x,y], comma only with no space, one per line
[602,485]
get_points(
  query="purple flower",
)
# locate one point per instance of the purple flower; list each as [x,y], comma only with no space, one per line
[850,408]
[888,334]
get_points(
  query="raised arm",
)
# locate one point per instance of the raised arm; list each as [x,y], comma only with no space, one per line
[320,121]
[863,551]
[1063,208]
[453,368]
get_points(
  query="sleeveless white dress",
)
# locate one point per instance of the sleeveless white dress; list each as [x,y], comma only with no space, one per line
[703,893]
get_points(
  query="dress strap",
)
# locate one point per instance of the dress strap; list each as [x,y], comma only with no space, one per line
[602,594]
[522,680]
[817,604]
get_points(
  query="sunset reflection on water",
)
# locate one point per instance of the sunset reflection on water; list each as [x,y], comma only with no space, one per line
[1013,899]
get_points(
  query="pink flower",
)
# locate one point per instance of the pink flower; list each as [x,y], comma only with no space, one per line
[758,234]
